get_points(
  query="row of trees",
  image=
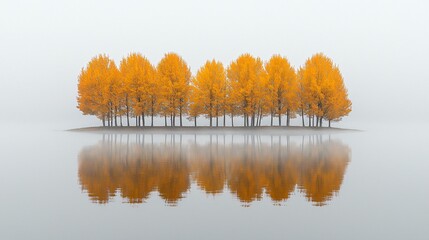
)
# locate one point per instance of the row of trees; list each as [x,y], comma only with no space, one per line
[248,88]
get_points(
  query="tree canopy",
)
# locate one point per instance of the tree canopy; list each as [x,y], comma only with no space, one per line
[247,88]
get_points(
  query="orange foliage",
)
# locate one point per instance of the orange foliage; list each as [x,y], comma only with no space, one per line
[247,88]
[209,91]
[174,76]
[323,94]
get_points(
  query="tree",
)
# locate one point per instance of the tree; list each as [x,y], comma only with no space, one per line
[282,87]
[112,88]
[209,90]
[195,106]
[97,84]
[141,86]
[246,76]
[323,90]
[174,77]
[337,103]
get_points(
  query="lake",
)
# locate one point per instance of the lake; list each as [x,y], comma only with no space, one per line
[370,184]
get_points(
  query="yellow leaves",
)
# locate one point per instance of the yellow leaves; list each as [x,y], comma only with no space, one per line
[248,87]
[138,77]
[246,75]
[96,86]
[281,87]
[174,77]
[209,90]
[323,89]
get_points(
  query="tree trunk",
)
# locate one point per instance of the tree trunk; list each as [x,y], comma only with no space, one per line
[210,116]
[143,119]
[329,123]
[257,119]
[288,117]
[232,120]
[165,120]
[180,116]
[256,123]
[302,117]
[111,113]
[224,117]
[152,111]
[217,121]
[128,115]
[120,117]
[116,117]
[151,122]
[104,121]
[272,119]
[195,119]
[321,122]
[244,120]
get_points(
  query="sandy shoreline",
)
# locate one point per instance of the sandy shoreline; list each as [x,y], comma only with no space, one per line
[215,130]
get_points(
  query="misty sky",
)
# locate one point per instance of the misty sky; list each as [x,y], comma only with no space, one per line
[381,47]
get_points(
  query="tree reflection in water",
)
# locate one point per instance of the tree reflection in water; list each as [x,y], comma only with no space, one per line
[249,166]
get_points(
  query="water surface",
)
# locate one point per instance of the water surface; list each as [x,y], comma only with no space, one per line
[348,185]
[250,167]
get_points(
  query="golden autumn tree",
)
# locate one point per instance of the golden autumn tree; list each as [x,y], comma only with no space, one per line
[313,74]
[323,90]
[98,84]
[282,88]
[152,94]
[247,75]
[195,108]
[209,90]
[112,90]
[174,77]
[337,104]
[141,87]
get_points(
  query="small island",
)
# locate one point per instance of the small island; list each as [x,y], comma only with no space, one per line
[128,96]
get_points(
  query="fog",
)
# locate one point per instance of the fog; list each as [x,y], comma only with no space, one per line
[380,47]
